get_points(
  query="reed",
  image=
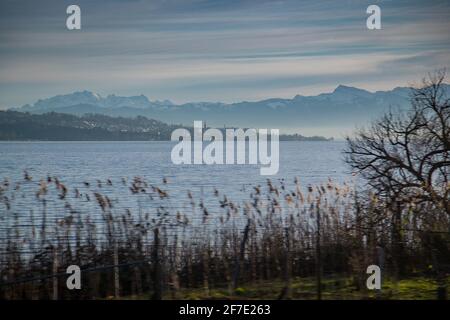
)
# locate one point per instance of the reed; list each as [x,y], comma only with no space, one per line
[156,250]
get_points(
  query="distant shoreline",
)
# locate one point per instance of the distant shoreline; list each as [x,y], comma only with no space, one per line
[143,141]
[19,126]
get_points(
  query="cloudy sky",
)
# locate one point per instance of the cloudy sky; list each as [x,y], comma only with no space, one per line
[216,50]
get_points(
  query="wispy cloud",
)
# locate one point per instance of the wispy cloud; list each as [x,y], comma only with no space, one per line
[216,50]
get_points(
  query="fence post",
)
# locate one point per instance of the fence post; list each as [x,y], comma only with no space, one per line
[287,266]
[240,256]
[205,263]
[157,290]
[55,272]
[116,271]
[318,257]
[380,256]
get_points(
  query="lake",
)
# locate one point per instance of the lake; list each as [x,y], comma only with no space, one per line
[78,163]
[86,168]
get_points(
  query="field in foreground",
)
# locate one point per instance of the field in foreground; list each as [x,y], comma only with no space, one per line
[335,288]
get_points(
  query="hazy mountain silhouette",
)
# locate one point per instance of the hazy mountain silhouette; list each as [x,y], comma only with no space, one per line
[324,114]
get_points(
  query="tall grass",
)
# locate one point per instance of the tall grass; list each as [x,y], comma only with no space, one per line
[155,249]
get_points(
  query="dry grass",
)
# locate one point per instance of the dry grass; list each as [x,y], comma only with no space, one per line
[280,237]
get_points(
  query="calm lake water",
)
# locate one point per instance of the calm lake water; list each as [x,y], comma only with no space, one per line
[75,163]
[78,163]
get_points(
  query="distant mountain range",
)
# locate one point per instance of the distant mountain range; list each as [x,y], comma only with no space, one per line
[324,114]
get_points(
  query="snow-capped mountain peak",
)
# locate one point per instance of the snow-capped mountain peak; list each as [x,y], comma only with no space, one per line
[347,90]
[78,97]
[113,101]
[87,98]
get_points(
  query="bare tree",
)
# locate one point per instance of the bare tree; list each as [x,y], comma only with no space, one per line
[405,156]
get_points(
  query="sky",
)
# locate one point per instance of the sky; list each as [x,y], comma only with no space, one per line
[216,50]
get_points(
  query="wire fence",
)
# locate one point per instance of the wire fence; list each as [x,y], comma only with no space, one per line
[278,233]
